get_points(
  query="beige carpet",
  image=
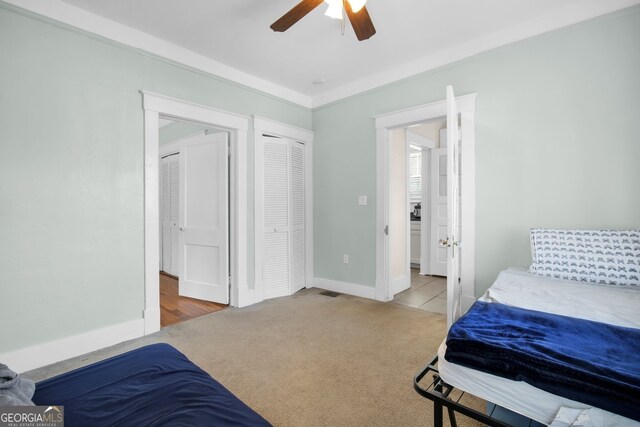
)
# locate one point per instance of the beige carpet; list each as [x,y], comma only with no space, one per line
[309,359]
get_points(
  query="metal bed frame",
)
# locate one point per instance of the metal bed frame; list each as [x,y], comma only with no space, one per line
[439,393]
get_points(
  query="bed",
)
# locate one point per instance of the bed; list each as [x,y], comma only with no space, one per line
[152,385]
[609,302]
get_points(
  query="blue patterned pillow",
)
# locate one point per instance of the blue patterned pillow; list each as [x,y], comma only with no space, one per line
[603,257]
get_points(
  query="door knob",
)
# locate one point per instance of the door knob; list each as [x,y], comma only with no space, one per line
[445,242]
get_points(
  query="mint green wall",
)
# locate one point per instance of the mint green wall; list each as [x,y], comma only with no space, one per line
[71,174]
[557,134]
[558,145]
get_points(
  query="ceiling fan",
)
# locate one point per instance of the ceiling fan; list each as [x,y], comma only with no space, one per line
[355,10]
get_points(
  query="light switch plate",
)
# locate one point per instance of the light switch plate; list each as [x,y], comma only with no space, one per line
[362,200]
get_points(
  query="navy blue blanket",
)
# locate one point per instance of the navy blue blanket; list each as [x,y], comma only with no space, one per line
[594,363]
[151,386]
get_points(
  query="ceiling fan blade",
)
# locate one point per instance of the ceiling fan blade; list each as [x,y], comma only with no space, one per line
[361,22]
[294,15]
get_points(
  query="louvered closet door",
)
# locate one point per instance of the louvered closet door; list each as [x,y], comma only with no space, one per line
[165,206]
[170,185]
[275,271]
[174,212]
[297,185]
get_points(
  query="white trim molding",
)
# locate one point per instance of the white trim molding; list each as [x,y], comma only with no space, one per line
[414,115]
[570,14]
[172,147]
[74,16]
[284,130]
[345,288]
[407,117]
[415,139]
[159,105]
[60,11]
[264,126]
[47,353]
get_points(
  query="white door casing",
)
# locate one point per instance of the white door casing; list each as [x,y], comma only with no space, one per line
[453,214]
[410,116]
[154,106]
[298,265]
[204,222]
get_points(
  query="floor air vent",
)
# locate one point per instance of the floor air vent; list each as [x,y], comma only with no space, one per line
[330,294]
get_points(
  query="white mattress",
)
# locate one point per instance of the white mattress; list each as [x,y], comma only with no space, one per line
[516,287]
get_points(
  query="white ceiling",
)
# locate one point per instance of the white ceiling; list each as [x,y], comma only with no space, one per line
[412,35]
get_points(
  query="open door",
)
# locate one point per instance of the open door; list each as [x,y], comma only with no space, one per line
[438,250]
[452,241]
[204,219]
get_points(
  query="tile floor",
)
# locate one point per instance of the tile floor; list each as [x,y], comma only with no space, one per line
[427,293]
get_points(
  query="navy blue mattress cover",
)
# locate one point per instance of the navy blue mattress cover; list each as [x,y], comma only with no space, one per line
[590,362]
[149,386]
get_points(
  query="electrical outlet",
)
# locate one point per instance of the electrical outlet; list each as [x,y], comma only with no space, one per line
[362,201]
[345,259]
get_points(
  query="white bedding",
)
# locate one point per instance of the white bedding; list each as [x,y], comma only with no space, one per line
[517,287]
[601,303]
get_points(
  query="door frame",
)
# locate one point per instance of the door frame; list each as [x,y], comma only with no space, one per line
[407,117]
[237,125]
[262,126]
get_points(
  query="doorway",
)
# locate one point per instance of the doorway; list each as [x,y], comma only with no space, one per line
[460,113]
[427,195]
[417,210]
[235,126]
[194,220]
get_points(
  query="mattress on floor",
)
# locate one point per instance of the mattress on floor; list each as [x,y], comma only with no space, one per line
[153,385]
[519,288]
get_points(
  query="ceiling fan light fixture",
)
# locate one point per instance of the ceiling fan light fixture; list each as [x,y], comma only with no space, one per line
[356,5]
[360,21]
[335,9]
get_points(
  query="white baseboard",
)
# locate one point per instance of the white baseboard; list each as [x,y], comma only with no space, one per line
[345,287]
[151,320]
[381,295]
[246,297]
[40,355]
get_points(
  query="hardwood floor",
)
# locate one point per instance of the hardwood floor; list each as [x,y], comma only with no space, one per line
[175,309]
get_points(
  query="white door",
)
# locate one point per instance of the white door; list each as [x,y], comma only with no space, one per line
[439,210]
[453,210]
[170,211]
[204,219]
[283,269]
[276,249]
[425,224]
[297,215]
